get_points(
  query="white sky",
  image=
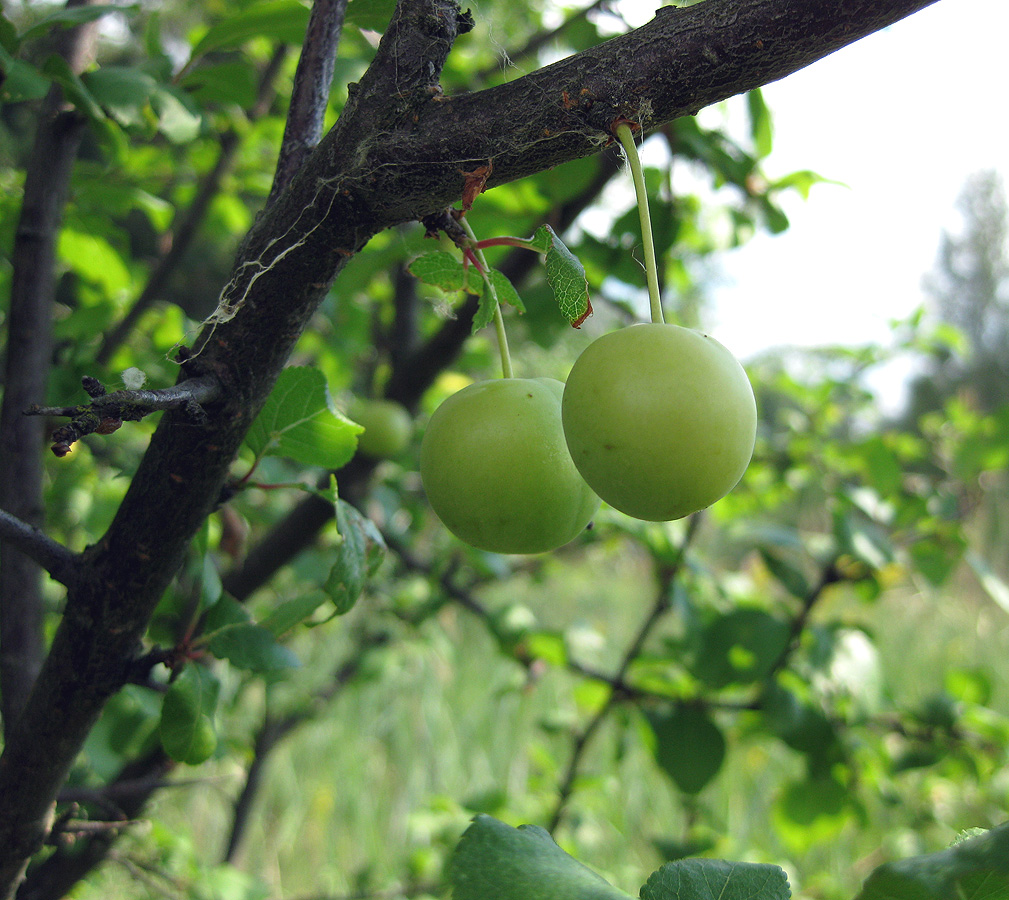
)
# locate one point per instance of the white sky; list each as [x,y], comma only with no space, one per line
[902,118]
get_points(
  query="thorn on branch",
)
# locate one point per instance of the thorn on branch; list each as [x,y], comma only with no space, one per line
[106,412]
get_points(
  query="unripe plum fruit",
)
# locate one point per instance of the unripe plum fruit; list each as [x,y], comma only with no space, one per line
[660,420]
[387,427]
[497,471]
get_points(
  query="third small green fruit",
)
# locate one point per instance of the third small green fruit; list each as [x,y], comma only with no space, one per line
[387,427]
[660,420]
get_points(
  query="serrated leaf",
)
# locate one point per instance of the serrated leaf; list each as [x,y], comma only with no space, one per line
[298,421]
[689,746]
[494,861]
[280,20]
[565,275]
[444,270]
[187,710]
[973,869]
[359,553]
[504,292]
[231,634]
[716,879]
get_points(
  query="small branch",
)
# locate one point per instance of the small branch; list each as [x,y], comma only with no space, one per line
[57,560]
[830,575]
[107,412]
[313,81]
[667,574]
[274,730]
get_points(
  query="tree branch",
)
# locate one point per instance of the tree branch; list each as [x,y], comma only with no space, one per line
[57,560]
[107,412]
[313,80]
[397,153]
[29,352]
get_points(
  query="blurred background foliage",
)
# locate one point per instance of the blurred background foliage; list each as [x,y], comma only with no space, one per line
[811,673]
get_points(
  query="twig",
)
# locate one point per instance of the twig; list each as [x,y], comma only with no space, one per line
[107,412]
[62,564]
[667,575]
[312,83]
[828,576]
[274,730]
[28,354]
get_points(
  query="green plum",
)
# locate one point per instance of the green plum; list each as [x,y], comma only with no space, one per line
[387,427]
[660,420]
[496,468]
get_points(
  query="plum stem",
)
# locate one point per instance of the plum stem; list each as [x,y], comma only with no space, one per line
[626,138]
[499,326]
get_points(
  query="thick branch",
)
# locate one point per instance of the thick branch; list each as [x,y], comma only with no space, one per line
[181,475]
[397,153]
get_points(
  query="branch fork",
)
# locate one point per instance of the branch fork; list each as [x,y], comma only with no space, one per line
[107,411]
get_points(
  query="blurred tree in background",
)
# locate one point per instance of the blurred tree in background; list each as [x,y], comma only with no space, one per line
[969,289]
[258,666]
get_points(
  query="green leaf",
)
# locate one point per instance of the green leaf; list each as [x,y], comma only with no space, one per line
[187,729]
[293,612]
[797,722]
[812,811]
[565,274]
[21,81]
[716,879]
[740,647]
[504,292]
[359,554]
[973,869]
[494,861]
[230,82]
[95,260]
[791,577]
[57,68]
[9,40]
[761,126]
[232,635]
[444,270]
[689,746]
[281,20]
[177,120]
[370,14]
[123,92]
[299,421]
[67,18]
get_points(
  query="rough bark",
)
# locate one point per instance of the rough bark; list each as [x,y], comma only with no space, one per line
[400,151]
[26,374]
